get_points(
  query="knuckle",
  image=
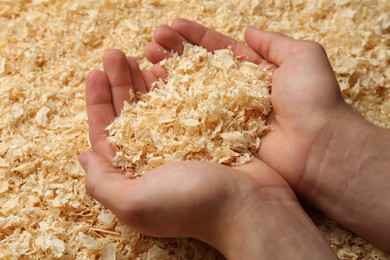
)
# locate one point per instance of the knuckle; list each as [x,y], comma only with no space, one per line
[313,45]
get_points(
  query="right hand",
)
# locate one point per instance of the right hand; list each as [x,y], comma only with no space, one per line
[305,93]
[306,100]
[327,153]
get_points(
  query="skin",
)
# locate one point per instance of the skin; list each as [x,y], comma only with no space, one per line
[329,155]
[173,200]
[314,148]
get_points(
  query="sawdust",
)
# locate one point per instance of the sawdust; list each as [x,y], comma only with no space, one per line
[211,108]
[46,49]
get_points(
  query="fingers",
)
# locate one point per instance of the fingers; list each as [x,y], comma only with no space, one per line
[155,53]
[149,78]
[211,40]
[272,46]
[136,76]
[169,38]
[167,41]
[106,93]
[117,68]
[199,35]
[104,182]
[101,112]
[172,39]
[159,71]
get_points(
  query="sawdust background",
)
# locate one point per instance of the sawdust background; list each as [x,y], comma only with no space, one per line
[48,47]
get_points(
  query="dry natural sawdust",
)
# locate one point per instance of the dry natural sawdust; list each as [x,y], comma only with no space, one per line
[211,108]
[46,49]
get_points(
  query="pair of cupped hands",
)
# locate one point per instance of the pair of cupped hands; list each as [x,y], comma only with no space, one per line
[220,205]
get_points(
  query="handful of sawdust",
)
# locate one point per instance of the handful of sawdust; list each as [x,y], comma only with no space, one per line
[211,108]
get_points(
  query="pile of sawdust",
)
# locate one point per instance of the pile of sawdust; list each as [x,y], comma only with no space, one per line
[46,49]
[211,108]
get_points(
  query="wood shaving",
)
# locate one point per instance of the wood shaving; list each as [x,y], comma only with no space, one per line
[47,48]
[211,108]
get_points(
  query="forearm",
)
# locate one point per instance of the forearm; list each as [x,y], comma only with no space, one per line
[275,229]
[348,177]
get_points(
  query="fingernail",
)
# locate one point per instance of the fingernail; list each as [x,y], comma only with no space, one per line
[83,160]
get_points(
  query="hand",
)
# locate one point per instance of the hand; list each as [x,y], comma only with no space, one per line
[325,151]
[217,204]
[305,95]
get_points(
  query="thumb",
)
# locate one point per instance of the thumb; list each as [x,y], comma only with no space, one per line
[273,46]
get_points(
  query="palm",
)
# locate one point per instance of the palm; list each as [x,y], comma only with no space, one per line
[300,109]
[175,194]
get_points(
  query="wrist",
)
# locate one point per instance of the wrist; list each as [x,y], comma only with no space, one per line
[347,175]
[274,226]
[327,152]
[333,159]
